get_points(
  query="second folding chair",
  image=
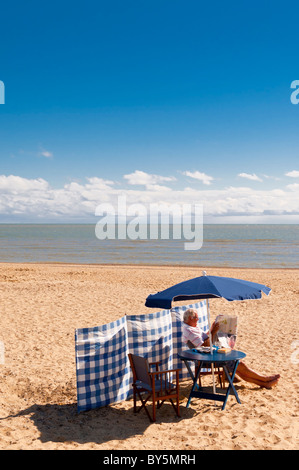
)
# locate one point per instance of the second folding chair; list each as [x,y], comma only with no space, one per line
[159,385]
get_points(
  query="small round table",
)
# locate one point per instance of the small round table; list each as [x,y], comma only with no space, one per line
[206,359]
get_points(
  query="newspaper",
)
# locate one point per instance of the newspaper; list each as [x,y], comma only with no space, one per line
[227,334]
[228,324]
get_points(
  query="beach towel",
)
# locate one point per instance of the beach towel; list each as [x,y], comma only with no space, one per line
[102,366]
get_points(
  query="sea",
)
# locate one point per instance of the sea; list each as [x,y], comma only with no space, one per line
[252,246]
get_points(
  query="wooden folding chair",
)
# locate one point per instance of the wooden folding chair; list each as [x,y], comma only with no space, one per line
[157,384]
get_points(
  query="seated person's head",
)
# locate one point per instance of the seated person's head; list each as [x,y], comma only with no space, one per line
[190,317]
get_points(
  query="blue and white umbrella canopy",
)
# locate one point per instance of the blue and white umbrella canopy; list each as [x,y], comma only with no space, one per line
[207,287]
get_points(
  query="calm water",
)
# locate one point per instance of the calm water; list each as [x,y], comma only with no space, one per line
[223,245]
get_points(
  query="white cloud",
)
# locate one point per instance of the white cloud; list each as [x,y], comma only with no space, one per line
[95,185]
[46,154]
[293,174]
[293,187]
[271,177]
[146,179]
[19,185]
[36,199]
[205,179]
[252,177]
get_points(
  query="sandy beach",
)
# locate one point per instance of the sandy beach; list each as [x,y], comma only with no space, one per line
[43,304]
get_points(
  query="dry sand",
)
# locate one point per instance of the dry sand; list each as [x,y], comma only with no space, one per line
[43,304]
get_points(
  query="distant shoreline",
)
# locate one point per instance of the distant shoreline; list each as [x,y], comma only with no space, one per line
[136,266]
[95,222]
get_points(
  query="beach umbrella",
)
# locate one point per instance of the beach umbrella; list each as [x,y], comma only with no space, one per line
[207,287]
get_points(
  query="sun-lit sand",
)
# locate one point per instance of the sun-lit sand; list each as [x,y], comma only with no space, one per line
[43,304]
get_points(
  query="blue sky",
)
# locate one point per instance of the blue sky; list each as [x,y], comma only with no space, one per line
[161,101]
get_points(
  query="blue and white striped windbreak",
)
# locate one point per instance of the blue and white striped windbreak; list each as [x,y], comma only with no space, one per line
[102,364]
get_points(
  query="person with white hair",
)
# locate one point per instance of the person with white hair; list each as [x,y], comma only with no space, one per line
[195,337]
[193,333]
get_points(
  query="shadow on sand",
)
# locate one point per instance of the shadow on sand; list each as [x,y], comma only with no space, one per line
[62,423]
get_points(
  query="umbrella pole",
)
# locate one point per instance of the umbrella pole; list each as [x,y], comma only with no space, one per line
[211,346]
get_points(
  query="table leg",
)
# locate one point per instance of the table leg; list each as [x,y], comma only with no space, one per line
[190,371]
[195,378]
[231,385]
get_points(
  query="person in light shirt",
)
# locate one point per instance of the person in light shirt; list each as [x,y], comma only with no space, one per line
[195,336]
[193,333]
